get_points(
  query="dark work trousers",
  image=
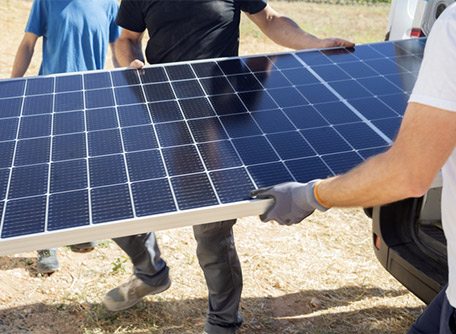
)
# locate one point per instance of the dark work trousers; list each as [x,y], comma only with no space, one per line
[217,257]
[437,318]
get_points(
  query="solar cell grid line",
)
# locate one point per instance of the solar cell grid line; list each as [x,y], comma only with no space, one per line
[106,154]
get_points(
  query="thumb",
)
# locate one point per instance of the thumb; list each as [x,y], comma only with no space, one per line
[138,64]
[260,193]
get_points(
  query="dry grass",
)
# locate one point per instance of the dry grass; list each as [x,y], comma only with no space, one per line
[317,277]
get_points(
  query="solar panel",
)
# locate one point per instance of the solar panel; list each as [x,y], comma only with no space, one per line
[95,155]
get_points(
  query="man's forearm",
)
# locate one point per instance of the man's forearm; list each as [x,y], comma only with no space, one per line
[127,50]
[22,60]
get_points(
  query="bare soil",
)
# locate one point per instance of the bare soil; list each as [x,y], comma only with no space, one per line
[320,276]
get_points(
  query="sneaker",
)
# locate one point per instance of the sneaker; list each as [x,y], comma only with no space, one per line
[47,261]
[84,247]
[130,293]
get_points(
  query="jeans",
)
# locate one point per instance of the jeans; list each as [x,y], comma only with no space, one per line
[217,257]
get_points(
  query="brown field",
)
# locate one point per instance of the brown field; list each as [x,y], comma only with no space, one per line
[318,277]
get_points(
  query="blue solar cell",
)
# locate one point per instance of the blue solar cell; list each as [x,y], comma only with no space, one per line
[207,129]
[104,142]
[107,170]
[145,165]
[287,97]
[317,93]
[379,86]
[99,98]
[372,108]
[24,216]
[4,178]
[68,210]
[325,140]
[367,153]
[100,119]
[389,49]
[227,104]
[305,117]
[360,135]
[195,108]
[336,113]
[358,70]
[365,52]
[331,72]
[207,69]
[259,64]
[153,74]
[244,82]
[97,80]
[216,85]
[350,89]
[68,122]
[32,151]
[174,133]
[129,95]
[35,126]
[272,79]
[255,150]
[258,100]
[10,107]
[290,145]
[233,66]
[384,66]
[241,125]
[342,162]
[165,111]
[136,114]
[193,191]
[340,55]
[125,77]
[269,174]
[397,102]
[232,185]
[187,88]
[12,88]
[300,76]
[182,160]
[219,155]
[8,128]
[139,138]
[39,86]
[284,61]
[111,204]
[69,101]
[271,121]
[69,147]
[41,104]
[313,58]
[180,72]
[159,92]
[28,181]
[152,197]
[6,153]
[68,83]
[307,169]
[389,126]
[413,45]
[405,81]
[68,175]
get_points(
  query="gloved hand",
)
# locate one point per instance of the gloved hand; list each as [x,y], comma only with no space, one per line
[293,202]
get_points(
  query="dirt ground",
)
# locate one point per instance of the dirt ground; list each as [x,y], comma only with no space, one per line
[318,277]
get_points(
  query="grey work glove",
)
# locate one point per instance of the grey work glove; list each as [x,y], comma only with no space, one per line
[293,202]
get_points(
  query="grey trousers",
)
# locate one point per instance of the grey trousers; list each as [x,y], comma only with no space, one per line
[217,257]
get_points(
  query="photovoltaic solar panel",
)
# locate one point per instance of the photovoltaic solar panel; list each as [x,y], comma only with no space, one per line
[87,156]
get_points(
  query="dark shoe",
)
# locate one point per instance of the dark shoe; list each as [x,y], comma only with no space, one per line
[47,261]
[130,293]
[84,247]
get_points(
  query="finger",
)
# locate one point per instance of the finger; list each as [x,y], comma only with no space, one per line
[256,192]
[138,64]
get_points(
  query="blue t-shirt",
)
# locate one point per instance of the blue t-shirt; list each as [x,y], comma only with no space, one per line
[76,33]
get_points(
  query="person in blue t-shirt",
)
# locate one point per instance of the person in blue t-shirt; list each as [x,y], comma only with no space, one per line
[76,35]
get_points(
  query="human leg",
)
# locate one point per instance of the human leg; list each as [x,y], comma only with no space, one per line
[150,272]
[437,318]
[218,258]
